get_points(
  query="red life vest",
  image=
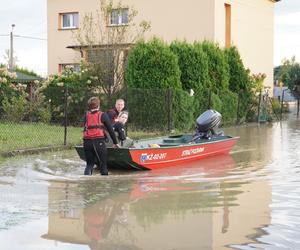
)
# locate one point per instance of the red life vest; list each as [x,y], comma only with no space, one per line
[114,118]
[93,127]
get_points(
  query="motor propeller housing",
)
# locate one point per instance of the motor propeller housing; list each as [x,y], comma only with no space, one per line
[207,125]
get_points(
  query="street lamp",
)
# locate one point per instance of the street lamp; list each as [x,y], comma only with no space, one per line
[11,56]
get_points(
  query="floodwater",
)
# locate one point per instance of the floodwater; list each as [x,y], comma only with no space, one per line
[246,200]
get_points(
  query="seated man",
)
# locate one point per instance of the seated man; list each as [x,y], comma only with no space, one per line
[113,114]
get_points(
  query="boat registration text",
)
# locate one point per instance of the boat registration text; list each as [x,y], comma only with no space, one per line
[150,157]
[192,151]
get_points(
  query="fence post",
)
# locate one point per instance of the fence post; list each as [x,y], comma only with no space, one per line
[259,101]
[272,105]
[66,114]
[238,108]
[127,105]
[209,99]
[169,97]
[281,108]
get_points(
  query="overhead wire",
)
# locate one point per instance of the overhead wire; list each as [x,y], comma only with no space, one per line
[31,37]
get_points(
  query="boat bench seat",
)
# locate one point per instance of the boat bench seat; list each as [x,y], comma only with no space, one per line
[174,140]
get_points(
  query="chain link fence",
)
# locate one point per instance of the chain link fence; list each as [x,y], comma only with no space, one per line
[162,110]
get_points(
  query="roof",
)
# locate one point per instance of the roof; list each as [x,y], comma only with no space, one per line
[24,78]
[101,46]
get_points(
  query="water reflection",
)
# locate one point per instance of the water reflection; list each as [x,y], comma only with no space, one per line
[197,206]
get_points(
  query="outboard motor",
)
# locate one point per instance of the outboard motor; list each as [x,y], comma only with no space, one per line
[207,125]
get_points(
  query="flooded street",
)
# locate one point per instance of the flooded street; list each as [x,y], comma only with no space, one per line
[246,200]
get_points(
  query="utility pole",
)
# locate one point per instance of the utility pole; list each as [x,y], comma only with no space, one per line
[11,56]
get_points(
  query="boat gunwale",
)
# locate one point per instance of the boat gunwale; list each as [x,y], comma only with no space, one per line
[148,165]
[178,146]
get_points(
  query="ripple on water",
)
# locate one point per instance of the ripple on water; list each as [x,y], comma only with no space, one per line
[257,184]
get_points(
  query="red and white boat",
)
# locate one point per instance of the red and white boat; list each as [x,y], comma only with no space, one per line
[169,151]
[165,151]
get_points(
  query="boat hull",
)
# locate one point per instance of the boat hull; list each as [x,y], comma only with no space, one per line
[166,155]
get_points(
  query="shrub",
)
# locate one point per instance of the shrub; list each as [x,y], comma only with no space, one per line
[7,88]
[14,109]
[148,108]
[201,101]
[193,65]
[217,66]
[182,110]
[38,110]
[251,110]
[216,103]
[76,87]
[44,114]
[239,79]
[225,103]
[229,106]
[152,65]
[276,106]
[155,109]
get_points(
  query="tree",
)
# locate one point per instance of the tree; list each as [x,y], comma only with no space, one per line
[69,88]
[106,46]
[290,76]
[7,58]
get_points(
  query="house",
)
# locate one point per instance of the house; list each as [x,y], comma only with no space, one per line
[247,24]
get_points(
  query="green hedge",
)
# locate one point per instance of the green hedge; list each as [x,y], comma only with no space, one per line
[217,65]
[193,64]
[229,107]
[160,109]
[152,65]
[148,108]
[182,110]
[239,79]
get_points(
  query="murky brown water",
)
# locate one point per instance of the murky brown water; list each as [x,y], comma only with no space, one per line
[246,200]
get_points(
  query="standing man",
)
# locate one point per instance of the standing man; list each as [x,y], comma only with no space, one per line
[94,145]
[114,113]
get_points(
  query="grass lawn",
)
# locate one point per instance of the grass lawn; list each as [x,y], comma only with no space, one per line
[16,136]
[19,136]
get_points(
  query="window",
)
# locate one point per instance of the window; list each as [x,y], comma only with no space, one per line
[69,20]
[74,66]
[119,17]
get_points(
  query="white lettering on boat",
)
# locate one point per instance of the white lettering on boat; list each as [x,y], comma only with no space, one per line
[192,151]
[150,157]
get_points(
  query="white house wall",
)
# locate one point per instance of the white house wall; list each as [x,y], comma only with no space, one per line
[191,20]
[252,33]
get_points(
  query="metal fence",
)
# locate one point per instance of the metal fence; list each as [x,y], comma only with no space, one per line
[149,110]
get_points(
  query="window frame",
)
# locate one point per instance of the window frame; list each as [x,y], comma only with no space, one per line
[75,67]
[119,15]
[74,24]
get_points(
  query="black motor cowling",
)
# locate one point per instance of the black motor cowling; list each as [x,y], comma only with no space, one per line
[207,124]
[208,120]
